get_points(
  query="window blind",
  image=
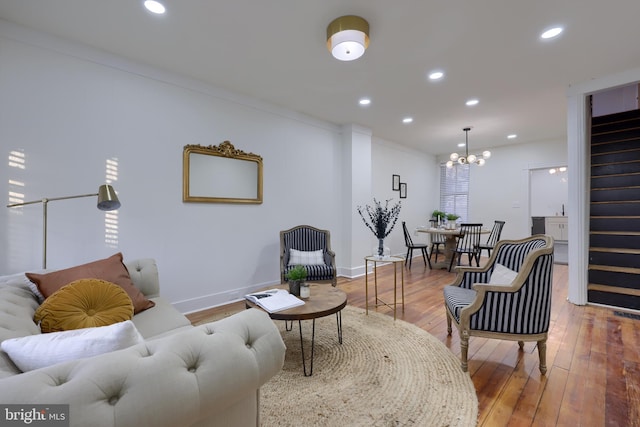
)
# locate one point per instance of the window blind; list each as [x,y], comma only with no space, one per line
[454,190]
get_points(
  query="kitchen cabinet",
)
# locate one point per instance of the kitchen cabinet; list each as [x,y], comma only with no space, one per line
[556,227]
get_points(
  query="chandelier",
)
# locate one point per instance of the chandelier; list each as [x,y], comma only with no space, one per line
[479,159]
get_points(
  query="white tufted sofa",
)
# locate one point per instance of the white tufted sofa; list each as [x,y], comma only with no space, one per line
[207,375]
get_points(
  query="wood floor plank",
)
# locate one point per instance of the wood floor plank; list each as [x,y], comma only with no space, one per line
[572,401]
[632,376]
[616,397]
[594,391]
[593,362]
[549,407]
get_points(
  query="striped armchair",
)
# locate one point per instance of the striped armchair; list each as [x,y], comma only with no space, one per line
[508,298]
[307,239]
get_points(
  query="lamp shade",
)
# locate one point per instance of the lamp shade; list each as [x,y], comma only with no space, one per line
[107,198]
[348,37]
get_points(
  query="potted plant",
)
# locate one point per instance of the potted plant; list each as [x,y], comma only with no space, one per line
[296,277]
[451,218]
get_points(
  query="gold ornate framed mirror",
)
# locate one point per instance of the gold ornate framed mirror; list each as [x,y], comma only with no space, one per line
[221,174]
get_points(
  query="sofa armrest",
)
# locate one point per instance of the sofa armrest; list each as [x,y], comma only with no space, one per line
[175,380]
[144,275]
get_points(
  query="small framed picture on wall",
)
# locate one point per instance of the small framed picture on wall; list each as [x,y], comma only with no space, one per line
[395,182]
[403,190]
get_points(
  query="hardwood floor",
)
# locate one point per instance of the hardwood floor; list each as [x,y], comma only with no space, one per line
[593,356]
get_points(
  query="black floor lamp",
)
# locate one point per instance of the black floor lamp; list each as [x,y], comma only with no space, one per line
[107,201]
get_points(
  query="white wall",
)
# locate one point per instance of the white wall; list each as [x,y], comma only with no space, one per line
[615,100]
[549,192]
[419,171]
[69,110]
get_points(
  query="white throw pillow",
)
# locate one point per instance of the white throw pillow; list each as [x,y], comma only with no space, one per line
[37,351]
[502,275]
[297,257]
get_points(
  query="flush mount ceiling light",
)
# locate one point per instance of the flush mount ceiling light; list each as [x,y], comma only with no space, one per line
[348,37]
[457,159]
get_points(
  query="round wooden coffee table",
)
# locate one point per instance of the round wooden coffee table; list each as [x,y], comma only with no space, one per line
[323,301]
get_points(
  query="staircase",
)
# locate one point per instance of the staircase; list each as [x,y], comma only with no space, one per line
[614,226]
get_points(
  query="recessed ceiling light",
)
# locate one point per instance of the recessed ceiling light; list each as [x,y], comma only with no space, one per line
[436,75]
[512,136]
[154,6]
[407,120]
[364,101]
[472,102]
[551,33]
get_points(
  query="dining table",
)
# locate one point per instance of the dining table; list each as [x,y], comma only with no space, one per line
[451,235]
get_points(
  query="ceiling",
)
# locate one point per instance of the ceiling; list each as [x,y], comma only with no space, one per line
[276,51]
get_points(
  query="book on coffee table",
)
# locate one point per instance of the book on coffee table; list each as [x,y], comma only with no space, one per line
[274,300]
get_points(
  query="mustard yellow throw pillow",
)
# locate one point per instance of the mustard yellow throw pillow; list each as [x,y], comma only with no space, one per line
[84,303]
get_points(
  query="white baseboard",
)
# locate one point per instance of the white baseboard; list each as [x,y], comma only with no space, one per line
[215,300]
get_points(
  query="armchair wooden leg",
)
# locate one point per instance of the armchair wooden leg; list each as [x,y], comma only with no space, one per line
[521,345]
[448,324]
[542,353]
[464,350]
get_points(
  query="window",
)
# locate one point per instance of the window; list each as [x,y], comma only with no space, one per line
[454,190]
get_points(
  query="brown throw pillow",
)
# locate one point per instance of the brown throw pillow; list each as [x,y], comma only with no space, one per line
[110,269]
[84,303]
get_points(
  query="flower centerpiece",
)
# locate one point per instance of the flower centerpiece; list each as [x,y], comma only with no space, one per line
[380,220]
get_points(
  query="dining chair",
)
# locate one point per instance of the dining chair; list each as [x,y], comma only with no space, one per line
[411,246]
[468,243]
[508,298]
[496,231]
[311,247]
[436,240]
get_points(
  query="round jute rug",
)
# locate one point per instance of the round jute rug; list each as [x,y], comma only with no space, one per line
[385,373]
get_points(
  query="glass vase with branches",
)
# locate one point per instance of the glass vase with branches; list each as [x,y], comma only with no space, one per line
[380,219]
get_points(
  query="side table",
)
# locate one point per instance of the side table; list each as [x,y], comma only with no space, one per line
[396,261]
[324,300]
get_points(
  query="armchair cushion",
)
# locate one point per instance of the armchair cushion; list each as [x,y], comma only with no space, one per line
[297,257]
[457,298]
[315,272]
[37,351]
